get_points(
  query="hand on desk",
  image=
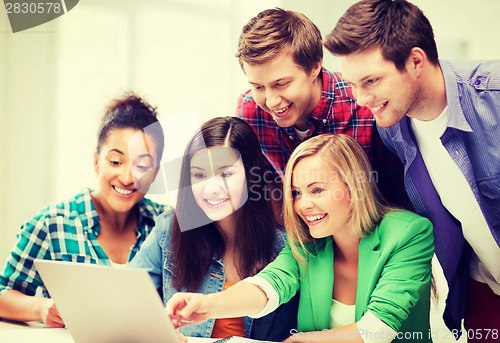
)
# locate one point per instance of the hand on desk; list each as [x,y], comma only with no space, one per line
[20,307]
[50,315]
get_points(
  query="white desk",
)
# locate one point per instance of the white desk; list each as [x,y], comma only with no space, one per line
[8,325]
[37,332]
[13,332]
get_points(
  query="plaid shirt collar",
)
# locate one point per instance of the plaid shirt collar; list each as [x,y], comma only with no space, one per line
[321,113]
[90,217]
[322,110]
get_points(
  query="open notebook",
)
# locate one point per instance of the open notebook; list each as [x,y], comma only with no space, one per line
[235,339]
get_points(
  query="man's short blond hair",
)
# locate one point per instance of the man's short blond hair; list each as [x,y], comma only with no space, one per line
[277,30]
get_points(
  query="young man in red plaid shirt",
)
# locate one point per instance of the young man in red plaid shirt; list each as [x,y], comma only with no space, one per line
[293,98]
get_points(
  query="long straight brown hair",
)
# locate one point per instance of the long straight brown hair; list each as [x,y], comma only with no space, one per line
[195,248]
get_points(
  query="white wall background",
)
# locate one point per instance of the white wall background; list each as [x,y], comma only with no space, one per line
[55,79]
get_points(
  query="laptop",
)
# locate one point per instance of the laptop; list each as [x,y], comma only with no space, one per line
[105,304]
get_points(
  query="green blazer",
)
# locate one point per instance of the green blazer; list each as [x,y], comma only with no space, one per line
[394,273]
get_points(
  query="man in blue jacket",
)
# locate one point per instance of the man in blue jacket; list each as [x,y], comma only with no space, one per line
[443,120]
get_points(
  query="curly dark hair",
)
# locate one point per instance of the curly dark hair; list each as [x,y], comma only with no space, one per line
[130,111]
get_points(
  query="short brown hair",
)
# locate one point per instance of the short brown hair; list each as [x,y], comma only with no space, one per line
[345,156]
[396,26]
[276,30]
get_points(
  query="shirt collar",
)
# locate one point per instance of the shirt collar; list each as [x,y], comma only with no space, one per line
[322,110]
[86,212]
[456,116]
[147,215]
[90,218]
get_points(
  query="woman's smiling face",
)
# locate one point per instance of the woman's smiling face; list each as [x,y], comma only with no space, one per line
[218,181]
[320,197]
[126,167]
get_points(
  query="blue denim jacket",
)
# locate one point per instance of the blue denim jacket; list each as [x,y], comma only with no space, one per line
[472,138]
[156,256]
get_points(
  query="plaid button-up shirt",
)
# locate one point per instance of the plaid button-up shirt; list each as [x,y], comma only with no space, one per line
[337,112]
[67,232]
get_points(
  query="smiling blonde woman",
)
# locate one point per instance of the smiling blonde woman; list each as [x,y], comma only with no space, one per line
[363,269]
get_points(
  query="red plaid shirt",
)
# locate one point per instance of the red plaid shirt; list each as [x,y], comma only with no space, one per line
[337,112]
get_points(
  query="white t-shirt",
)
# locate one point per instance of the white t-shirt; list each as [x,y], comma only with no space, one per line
[457,197]
[341,314]
[301,134]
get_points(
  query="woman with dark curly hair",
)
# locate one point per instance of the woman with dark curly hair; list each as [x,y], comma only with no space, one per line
[106,225]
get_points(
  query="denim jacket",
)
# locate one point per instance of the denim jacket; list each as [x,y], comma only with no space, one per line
[156,256]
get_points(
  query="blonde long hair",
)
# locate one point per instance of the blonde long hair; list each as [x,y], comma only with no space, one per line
[344,155]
